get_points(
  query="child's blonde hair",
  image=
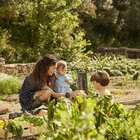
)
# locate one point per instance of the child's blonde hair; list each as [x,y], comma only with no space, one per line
[61,63]
[101,77]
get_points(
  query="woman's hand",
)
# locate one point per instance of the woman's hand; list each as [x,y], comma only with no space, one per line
[73,94]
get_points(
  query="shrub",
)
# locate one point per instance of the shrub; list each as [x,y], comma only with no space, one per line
[9,84]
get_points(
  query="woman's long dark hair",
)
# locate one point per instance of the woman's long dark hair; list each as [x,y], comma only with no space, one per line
[39,74]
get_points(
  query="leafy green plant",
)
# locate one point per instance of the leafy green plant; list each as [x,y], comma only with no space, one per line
[13,127]
[9,84]
[83,118]
[124,128]
[68,120]
[115,65]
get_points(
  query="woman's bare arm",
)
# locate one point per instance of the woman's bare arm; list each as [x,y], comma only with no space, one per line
[58,95]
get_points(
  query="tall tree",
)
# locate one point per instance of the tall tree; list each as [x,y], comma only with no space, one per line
[40,26]
[129,35]
[117,24]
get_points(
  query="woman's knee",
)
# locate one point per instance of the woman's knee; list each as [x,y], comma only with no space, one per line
[45,96]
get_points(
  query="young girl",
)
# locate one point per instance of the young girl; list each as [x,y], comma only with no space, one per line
[63,80]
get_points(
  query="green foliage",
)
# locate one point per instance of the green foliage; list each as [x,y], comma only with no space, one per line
[37,27]
[87,8]
[69,117]
[5,48]
[13,127]
[136,75]
[106,108]
[113,64]
[51,110]
[36,121]
[83,63]
[9,84]
[132,25]
[83,118]
[101,29]
[125,127]
[116,24]
[29,29]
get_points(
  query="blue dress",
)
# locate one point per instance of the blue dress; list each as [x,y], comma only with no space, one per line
[61,86]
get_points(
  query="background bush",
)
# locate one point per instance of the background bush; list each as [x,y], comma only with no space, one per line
[9,84]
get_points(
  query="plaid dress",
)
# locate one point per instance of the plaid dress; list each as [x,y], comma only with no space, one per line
[27,93]
[28,90]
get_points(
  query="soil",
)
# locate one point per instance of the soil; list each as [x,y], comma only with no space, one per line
[131,95]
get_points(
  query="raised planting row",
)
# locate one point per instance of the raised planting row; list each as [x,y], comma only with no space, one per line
[82,118]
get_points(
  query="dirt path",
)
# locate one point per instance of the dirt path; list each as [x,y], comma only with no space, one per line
[11,103]
[128,96]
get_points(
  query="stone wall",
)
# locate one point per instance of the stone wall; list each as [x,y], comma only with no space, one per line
[20,70]
[129,52]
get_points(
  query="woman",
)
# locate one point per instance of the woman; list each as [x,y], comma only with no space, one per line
[34,91]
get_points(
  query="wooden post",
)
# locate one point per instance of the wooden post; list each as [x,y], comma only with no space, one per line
[82,81]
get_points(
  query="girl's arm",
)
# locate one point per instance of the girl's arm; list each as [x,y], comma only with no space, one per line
[68,79]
